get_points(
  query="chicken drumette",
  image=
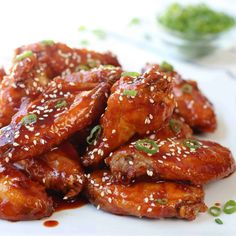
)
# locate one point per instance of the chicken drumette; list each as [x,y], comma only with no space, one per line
[36,65]
[145,199]
[137,105]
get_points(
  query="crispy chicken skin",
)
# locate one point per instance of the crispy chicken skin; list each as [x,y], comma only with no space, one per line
[57,170]
[21,198]
[59,112]
[142,199]
[29,76]
[174,160]
[146,111]
[192,105]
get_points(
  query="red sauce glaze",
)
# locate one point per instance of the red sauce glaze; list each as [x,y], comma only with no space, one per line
[51,223]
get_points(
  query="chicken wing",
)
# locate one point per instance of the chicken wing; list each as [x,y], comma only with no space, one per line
[21,198]
[57,170]
[143,199]
[137,105]
[62,110]
[196,110]
[36,65]
[2,73]
[175,159]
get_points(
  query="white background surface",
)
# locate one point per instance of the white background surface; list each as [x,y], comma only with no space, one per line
[23,22]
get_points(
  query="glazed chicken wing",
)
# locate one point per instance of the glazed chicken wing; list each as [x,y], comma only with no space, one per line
[36,65]
[189,160]
[137,105]
[192,105]
[21,198]
[2,73]
[152,200]
[57,170]
[62,110]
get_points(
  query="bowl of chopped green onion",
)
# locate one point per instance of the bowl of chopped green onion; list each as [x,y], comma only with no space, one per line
[194,30]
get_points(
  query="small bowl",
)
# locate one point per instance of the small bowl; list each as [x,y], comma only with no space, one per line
[193,46]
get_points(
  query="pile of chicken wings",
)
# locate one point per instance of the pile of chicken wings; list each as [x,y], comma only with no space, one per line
[74,123]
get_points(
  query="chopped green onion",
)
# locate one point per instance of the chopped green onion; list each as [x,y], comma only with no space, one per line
[146,145]
[162,201]
[191,144]
[187,88]
[82,28]
[101,34]
[29,119]
[230,207]
[175,125]
[84,42]
[166,67]
[92,63]
[61,103]
[214,211]
[134,21]
[23,55]
[131,93]
[47,42]
[131,74]
[219,221]
[109,66]
[81,67]
[94,134]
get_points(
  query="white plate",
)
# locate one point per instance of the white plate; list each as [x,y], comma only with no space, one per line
[87,220]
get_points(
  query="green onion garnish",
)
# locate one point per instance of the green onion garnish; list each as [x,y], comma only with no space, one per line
[92,63]
[175,125]
[47,42]
[134,21]
[230,207]
[162,201]
[146,145]
[131,74]
[191,144]
[23,55]
[109,66]
[94,134]
[187,88]
[219,221]
[101,34]
[214,211]
[166,67]
[29,119]
[81,67]
[61,103]
[131,93]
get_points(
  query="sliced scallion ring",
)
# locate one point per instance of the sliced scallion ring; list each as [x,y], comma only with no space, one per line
[131,93]
[166,67]
[146,145]
[162,201]
[175,125]
[47,42]
[23,55]
[187,88]
[94,134]
[219,221]
[229,207]
[192,144]
[214,211]
[29,119]
[131,74]
[61,103]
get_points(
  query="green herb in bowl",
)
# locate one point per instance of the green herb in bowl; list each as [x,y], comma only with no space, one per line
[195,21]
